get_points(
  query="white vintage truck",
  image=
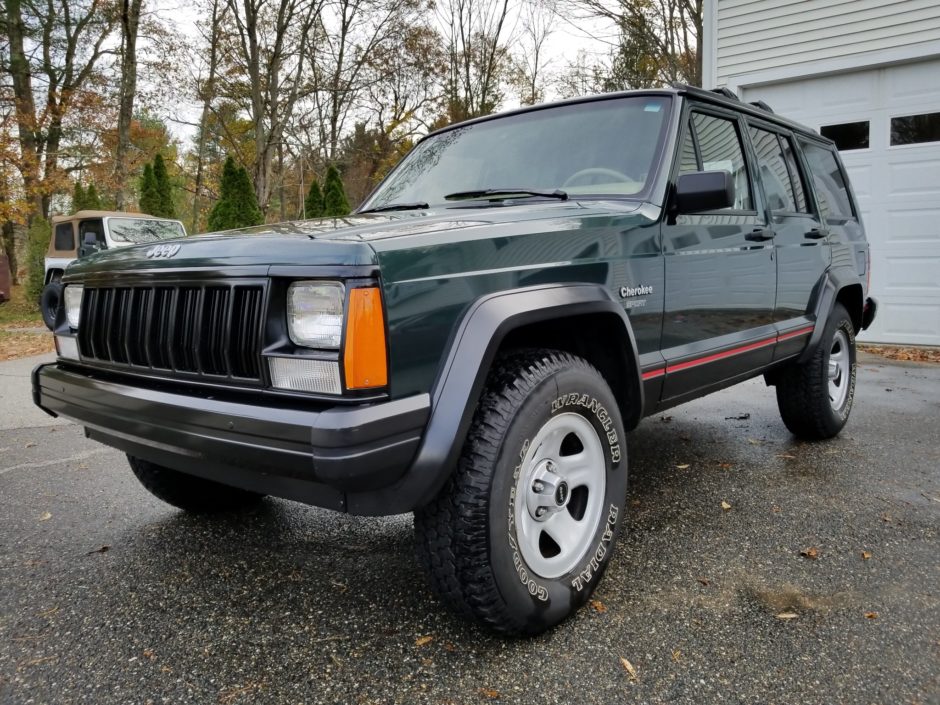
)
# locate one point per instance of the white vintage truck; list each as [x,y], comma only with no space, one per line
[86,232]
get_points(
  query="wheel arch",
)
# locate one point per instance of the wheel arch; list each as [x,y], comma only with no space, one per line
[843,286]
[494,323]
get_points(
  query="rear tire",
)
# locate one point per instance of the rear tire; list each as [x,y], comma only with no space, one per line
[194,494]
[815,398]
[522,533]
[49,302]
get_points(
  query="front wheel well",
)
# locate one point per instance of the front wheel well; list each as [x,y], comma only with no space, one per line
[599,338]
[53,275]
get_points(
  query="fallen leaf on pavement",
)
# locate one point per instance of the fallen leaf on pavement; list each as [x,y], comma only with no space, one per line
[755,442]
[812,553]
[598,606]
[739,417]
[628,667]
[448,646]
[30,445]
[423,640]
[866,555]
[101,549]
[148,654]
[725,466]
[665,419]
[45,516]
[489,693]
[786,615]
[871,615]
[684,466]
[725,505]
[704,581]
[676,655]
[786,456]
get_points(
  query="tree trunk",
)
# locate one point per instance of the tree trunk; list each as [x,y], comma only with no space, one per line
[130,21]
[25,109]
[208,94]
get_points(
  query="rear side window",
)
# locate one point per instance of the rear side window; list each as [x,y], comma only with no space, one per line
[831,190]
[774,172]
[719,149]
[64,237]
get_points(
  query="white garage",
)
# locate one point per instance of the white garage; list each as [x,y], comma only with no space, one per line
[876,92]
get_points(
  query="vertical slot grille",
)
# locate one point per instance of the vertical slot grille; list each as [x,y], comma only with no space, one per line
[212,331]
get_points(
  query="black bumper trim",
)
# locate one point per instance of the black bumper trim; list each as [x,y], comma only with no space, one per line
[314,456]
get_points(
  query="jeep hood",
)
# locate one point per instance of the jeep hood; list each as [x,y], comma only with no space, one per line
[352,241]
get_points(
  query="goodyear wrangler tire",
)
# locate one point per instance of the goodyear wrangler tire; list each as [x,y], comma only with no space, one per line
[194,494]
[520,536]
[815,398]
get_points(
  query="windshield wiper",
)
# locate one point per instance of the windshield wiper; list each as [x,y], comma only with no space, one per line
[557,193]
[417,206]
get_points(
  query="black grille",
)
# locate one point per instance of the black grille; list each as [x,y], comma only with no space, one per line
[204,330]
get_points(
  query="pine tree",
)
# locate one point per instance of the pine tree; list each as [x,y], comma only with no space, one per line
[237,206]
[313,203]
[334,196]
[78,198]
[149,201]
[166,209]
[92,199]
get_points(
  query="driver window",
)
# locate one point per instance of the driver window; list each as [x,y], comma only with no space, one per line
[720,149]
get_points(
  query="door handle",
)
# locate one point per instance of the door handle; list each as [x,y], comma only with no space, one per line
[759,235]
[816,234]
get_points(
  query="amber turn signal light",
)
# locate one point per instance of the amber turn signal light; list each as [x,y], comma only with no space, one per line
[365,360]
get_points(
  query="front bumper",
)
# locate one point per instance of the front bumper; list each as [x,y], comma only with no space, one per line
[316,456]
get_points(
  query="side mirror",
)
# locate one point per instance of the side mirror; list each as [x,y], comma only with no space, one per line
[703,191]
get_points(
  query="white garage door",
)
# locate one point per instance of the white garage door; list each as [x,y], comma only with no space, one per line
[896,180]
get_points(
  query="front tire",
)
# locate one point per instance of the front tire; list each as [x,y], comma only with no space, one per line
[815,398]
[521,534]
[188,492]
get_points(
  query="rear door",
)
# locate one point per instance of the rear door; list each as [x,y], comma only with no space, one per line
[801,237]
[719,267]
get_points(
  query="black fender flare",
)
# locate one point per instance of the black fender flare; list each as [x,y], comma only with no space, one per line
[462,376]
[827,292]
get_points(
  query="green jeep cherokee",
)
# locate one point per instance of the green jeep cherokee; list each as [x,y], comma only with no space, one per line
[474,343]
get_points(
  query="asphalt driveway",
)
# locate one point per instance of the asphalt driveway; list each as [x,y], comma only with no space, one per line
[756,569]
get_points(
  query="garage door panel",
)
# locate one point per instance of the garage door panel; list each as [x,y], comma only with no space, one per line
[911,273]
[912,224]
[911,322]
[914,178]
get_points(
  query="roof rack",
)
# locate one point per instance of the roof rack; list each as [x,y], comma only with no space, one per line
[726,92]
[762,105]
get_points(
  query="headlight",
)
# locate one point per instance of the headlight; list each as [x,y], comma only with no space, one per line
[73,304]
[315,314]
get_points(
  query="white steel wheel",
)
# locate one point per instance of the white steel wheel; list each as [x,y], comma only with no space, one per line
[560,495]
[839,371]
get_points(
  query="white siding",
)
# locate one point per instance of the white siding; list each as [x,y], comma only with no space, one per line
[757,35]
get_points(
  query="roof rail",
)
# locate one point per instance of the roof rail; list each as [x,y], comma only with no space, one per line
[762,105]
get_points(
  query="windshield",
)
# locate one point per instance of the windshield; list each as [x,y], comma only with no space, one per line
[601,148]
[138,230]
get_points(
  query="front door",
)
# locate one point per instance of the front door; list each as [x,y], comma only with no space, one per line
[719,269]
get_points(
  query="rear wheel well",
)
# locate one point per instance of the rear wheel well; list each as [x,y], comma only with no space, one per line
[599,338]
[851,298]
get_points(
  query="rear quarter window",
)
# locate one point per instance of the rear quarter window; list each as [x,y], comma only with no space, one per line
[64,237]
[829,181]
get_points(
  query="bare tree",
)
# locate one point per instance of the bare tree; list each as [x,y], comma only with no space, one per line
[476,33]
[206,91]
[530,61]
[272,47]
[130,24]
[660,40]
